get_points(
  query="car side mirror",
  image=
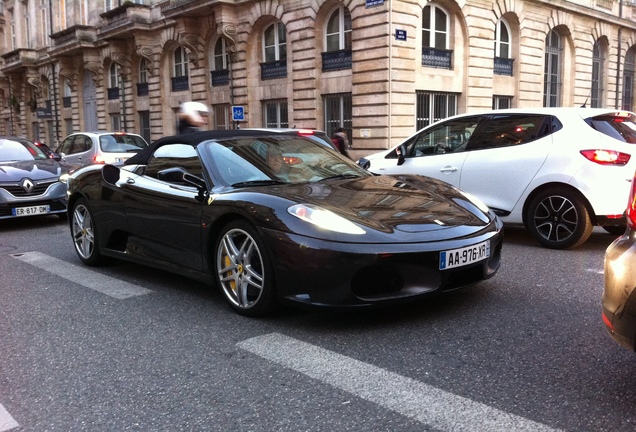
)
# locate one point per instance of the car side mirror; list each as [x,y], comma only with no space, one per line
[400,151]
[56,156]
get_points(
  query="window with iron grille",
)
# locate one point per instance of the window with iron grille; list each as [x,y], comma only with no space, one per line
[222,118]
[338,113]
[501,102]
[552,73]
[503,62]
[115,122]
[144,125]
[432,107]
[275,113]
[628,80]
[435,40]
[598,66]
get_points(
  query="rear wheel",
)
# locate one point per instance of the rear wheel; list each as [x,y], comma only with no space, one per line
[558,219]
[243,270]
[84,233]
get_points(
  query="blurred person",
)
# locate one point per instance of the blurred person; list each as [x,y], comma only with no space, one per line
[192,117]
[341,141]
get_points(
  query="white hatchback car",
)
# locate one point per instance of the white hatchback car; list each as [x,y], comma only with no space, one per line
[88,148]
[557,171]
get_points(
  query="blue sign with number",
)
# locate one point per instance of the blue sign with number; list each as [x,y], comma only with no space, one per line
[400,35]
[238,113]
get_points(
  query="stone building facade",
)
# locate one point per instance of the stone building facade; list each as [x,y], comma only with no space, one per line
[379,68]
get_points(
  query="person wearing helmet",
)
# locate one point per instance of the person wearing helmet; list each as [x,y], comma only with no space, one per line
[192,117]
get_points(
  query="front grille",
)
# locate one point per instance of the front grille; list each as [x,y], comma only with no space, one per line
[376,280]
[17,190]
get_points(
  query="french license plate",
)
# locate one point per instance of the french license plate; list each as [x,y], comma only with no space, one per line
[30,211]
[464,256]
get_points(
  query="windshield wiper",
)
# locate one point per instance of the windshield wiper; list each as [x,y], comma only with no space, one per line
[342,176]
[258,183]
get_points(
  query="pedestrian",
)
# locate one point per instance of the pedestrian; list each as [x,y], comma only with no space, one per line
[192,117]
[341,141]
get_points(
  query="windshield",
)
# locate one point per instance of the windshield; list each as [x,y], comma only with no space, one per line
[121,143]
[620,126]
[12,151]
[282,159]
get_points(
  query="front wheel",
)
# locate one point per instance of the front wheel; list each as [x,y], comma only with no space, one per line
[559,219]
[243,270]
[84,233]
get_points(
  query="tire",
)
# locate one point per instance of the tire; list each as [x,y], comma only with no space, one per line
[559,219]
[84,234]
[243,270]
[615,229]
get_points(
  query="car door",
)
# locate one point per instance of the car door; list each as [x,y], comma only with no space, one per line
[438,151]
[504,156]
[165,213]
[76,151]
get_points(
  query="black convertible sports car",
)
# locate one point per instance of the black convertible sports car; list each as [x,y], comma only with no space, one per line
[270,217]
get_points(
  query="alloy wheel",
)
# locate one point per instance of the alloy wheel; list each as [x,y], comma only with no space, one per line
[83,232]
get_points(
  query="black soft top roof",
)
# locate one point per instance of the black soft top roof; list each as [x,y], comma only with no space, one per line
[193,138]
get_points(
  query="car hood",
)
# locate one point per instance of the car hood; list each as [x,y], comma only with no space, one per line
[401,206]
[33,169]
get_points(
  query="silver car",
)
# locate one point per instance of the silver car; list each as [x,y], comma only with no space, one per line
[89,148]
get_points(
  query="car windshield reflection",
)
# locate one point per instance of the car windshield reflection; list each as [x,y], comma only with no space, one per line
[280,159]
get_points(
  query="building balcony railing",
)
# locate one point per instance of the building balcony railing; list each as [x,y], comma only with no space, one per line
[113,93]
[142,89]
[66,102]
[503,66]
[275,69]
[437,58]
[220,77]
[334,60]
[180,83]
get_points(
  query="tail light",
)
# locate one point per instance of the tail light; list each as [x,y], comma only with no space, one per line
[305,132]
[631,205]
[606,157]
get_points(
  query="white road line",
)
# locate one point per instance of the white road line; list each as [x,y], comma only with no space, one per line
[90,279]
[411,398]
[6,421]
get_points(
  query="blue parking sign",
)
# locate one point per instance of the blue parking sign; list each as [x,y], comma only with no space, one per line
[238,113]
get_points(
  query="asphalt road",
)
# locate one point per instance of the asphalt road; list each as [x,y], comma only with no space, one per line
[127,348]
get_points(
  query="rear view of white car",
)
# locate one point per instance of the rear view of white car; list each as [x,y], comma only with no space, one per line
[557,171]
[89,148]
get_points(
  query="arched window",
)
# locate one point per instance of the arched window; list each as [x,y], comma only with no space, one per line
[598,68]
[275,43]
[113,81]
[628,80]
[435,26]
[338,32]
[220,55]
[503,51]
[143,71]
[113,76]
[552,72]
[502,39]
[180,62]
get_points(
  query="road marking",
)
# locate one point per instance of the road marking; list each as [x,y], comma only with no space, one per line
[597,271]
[406,396]
[6,421]
[110,286]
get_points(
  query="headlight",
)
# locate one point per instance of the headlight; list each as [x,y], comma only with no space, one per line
[479,203]
[64,177]
[324,219]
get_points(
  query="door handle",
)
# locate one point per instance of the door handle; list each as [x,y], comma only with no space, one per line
[448,169]
[130,181]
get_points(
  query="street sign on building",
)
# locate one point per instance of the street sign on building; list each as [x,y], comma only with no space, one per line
[238,113]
